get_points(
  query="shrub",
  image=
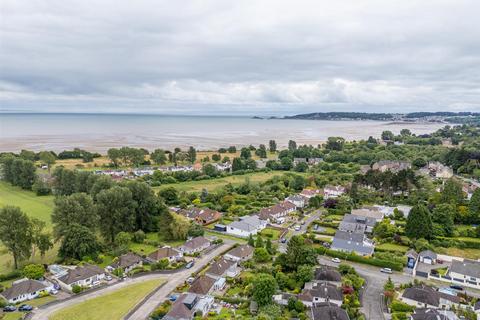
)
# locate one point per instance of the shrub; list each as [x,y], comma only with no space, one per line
[139,236]
[76,288]
[399,316]
[356,258]
[11,275]
[398,306]
[34,271]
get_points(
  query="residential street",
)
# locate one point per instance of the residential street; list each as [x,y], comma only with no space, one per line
[173,280]
[282,247]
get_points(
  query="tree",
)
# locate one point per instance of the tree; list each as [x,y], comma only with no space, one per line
[474,207]
[245,153]
[40,239]
[114,156]
[232,149]
[64,181]
[33,271]
[179,227]
[419,163]
[28,155]
[251,241]
[158,156]
[388,136]
[18,172]
[216,157]
[384,229]
[315,201]
[122,240]
[44,243]
[77,208]
[169,195]
[195,230]
[419,224]
[237,164]
[452,192]
[298,183]
[261,255]
[298,254]
[405,132]
[261,151]
[443,215]
[139,236]
[292,145]
[264,286]
[78,242]
[210,170]
[116,210]
[301,167]
[48,158]
[304,273]
[259,242]
[272,144]
[269,247]
[335,143]
[16,233]
[192,154]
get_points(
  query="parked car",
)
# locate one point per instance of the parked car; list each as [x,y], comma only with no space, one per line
[54,291]
[283,240]
[25,307]
[336,260]
[190,264]
[326,244]
[190,280]
[108,277]
[455,287]
[9,308]
[386,270]
[303,222]
[173,297]
[297,228]
[315,227]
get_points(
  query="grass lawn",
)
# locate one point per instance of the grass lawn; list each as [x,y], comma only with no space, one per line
[224,236]
[142,248]
[392,247]
[110,306]
[34,206]
[271,233]
[13,315]
[465,253]
[325,230]
[212,184]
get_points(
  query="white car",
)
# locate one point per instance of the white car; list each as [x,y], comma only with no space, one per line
[386,270]
[297,228]
[108,278]
[336,260]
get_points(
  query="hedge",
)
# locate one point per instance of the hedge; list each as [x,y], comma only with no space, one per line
[356,258]
[10,276]
[398,306]
[455,242]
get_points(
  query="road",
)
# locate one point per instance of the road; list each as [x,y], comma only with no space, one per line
[282,247]
[173,280]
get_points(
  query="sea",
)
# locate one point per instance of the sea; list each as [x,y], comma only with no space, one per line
[99,132]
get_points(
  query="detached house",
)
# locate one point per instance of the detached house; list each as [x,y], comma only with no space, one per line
[357,224]
[202,216]
[333,191]
[277,213]
[223,268]
[321,292]
[127,262]
[246,226]
[195,245]
[352,242]
[393,166]
[204,285]
[187,305]
[83,276]
[466,272]
[369,212]
[427,297]
[328,311]
[25,289]
[298,200]
[243,252]
[166,252]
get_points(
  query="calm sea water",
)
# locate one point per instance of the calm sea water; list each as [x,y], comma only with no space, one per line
[99,132]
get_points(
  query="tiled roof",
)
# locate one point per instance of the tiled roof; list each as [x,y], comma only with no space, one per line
[81,273]
[219,267]
[127,260]
[24,286]
[423,294]
[196,243]
[165,252]
[202,285]
[241,251]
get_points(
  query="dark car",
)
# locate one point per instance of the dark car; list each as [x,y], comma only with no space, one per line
[283,240]
[25,307]
[456,288]
[9,308]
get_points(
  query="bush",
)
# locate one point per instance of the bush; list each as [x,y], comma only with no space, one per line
[34,271]
[76,288]
[399,316]
[398,306]
[138,236]
[356,258]
[11,275]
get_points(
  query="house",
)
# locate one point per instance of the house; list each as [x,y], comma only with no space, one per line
[202,216]
[277,212]
[432,314]
[187,305]
[241,253]
[389,165]
[84,276]
[325,273]
[310,193]
[423,296]
[369,212]
[427,257]
[298,200]
[321,292]
[437,170]
[246,226]
[352,242]
[412,256]
[25,289]
[356,223]
[389,211]
[204,285]
[333,191]
[127,262]
[223,268]
[466,272]
[328,311]
[310,161]
[169,253]
[197,244]
[283,298]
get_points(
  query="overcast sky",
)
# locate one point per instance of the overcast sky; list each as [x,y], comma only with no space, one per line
[239,57]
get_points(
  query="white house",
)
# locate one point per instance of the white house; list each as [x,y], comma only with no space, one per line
[169,253]
[277,213]
[25,289]
[297,200]
[241,253]
[223,268]
[246,226]
[466,272]
[321,292]
[197,244]
[427,257]
[84,276]
[333,191]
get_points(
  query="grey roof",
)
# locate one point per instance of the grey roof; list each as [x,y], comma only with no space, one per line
[347,241]
[428,254]
[477,305]
[241,251]
[467,267]
[195,243]
[247,223]
[412,254]
[328,311]
[327,274]
[24,286]
[428,314]
[180,309]
[351,218]
[322,290]
[80,273]
[161,253]
[423,294]
[202,285]
[127,260]
[220,267]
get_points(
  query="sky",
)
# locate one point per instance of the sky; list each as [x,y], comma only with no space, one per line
[259,57]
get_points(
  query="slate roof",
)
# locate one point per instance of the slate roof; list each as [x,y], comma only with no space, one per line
[24,286]
[428,314]
[279,208]
[165,252]
[241,251]
[372,212]
[411,254]
[328,311]
[220,267]
[127,260]
[466,267]
[423,294]
[322,290]
[477,305]
[180,309]
[247,223]
[347,241]
[428,254]
[195,243]
[81,273]
[327,274]
[202,285]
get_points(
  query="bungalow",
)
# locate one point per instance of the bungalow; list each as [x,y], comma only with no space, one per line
[187,305]
[328,311]
[321,292]
[202,216]
[393,166]
[310,193]
[127,262]
[438,170]
[325,273]
[25,289]
[278,212]
[298,200]
[333,191]
[427,257]
[356,223]
[432,314]
[166,252]
[204,285]
[223,268]
[283,298]
[352,242]
[466,272]
[241,253]
[369,212]
[83,276]
[427,297]
[197,244]
[246,226]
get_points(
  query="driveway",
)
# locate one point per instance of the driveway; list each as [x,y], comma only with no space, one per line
[282,247]
[173,280]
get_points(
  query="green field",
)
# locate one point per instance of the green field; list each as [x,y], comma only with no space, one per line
[392,247]
[212,184]
[271,233]
[36,207]
[111,306]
